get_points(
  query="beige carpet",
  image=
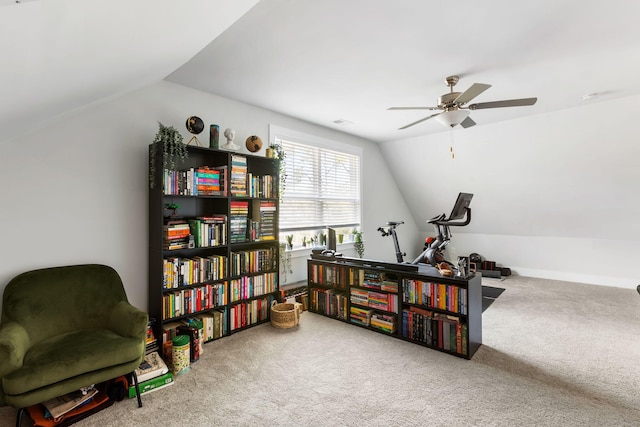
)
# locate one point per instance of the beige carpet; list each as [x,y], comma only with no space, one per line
[554,354]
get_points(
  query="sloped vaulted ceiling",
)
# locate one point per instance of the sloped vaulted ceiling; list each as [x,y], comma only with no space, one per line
[327,60]
[62,55]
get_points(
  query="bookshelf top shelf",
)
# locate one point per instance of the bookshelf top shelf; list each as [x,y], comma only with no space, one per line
[422,271]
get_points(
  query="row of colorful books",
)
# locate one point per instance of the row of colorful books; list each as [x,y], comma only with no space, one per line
[253,261]
[373,319]
[193,300]
[261,186]
[373,299]
[209,230]
[201,181]
[179,272]
[250,286]
[380,280]
[435,329]
[436,295]
[338,276]
[328,302]
[215,181]
[250,312]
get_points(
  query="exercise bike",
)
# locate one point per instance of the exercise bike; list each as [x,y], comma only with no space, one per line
[434,247]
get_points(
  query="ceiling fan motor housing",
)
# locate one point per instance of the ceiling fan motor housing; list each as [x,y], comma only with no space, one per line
[447,99]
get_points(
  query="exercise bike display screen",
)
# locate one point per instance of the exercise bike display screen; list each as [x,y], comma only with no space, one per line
[460,208]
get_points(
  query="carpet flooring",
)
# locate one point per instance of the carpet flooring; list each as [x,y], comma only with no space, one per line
[554,354]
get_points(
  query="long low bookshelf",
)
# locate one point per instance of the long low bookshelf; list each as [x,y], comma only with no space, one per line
[409,302]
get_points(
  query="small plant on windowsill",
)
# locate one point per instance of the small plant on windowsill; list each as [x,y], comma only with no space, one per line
[358,243]
[289,238]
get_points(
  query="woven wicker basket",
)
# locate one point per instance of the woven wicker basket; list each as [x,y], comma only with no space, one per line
[285,315]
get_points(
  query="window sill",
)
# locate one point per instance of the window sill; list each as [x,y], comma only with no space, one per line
[303,252]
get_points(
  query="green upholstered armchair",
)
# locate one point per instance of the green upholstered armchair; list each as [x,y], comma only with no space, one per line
[64,328]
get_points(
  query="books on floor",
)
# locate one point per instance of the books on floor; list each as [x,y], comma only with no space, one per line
[151,367]
[153,384]
[58,406]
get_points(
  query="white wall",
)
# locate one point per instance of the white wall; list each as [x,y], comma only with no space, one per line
[76,192]
[555,195]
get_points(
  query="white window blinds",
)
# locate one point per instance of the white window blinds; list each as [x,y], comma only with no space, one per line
[322,188]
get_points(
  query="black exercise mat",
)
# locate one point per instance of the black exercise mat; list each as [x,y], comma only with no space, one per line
[489,295]
[491,292]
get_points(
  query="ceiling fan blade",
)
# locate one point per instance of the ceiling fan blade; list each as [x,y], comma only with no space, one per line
[467,123]
[508,103]
[413,108]
[419,121]
[475,90]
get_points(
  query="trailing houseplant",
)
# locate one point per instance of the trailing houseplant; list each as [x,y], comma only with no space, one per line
[279,155]
[285,263]
[173,149]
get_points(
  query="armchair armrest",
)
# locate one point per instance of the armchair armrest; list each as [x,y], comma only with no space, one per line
[14,343]
[128,321]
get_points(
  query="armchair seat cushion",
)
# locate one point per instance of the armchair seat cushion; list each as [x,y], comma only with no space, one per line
[68,355]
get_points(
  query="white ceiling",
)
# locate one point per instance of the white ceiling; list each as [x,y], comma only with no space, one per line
[59,56]
[352,59]
[319,61]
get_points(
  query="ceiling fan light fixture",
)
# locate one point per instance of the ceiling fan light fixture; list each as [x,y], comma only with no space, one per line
[452,118]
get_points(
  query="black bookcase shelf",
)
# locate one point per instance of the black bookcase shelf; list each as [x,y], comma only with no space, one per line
[236,315]
[415,305]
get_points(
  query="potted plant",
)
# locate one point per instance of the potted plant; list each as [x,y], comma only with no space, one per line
[275,151]
[173,208]
[289,238]
[285,263]
[358,244]
[169,140]
[304,241]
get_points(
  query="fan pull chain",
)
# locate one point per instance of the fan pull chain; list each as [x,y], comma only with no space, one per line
[453,156]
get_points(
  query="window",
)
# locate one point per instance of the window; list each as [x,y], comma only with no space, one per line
[322,186]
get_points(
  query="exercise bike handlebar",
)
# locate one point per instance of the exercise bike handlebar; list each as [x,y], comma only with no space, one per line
[440,220]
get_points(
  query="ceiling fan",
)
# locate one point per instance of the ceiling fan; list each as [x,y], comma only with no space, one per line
[454,109]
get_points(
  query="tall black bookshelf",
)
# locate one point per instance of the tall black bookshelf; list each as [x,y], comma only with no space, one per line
[226,268]
[408,302]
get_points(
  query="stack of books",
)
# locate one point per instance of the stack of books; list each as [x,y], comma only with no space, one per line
[151,344]
[361,316]
[238,184]
[210,181]
[238,221]
[153,374]
[177,235]
[264,213]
